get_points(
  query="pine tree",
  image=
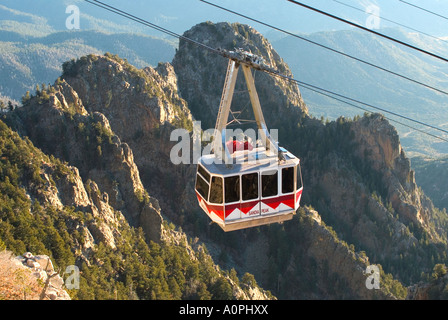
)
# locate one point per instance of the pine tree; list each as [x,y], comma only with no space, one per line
[26,98]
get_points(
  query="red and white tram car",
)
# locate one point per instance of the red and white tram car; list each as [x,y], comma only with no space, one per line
[248,186]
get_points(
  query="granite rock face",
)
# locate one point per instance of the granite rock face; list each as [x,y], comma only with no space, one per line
[61,126]
[41,267]
[201,75]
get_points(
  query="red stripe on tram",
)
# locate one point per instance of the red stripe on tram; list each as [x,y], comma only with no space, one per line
[275,202]
[246,207]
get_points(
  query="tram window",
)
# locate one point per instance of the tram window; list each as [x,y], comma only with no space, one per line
[204,173]
[299,178]
[216,190]
[269,183]
[249,184]
[202,187]
[288,180]
[232,189]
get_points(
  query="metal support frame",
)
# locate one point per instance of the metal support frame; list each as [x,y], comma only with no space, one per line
[219,141]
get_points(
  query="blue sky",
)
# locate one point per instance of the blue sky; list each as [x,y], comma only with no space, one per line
[181,15]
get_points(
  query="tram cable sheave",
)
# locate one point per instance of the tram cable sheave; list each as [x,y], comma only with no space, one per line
[240,185]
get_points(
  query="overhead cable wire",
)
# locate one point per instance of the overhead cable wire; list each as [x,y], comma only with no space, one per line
[362,103]
[369,111]
[423,9]
[309,86]
[408,45]
[328,48]
[147,23]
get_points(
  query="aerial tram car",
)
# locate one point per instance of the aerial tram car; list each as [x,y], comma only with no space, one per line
[243,183]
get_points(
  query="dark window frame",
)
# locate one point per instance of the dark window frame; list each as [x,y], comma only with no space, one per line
[212,188]
[198,177]
[291,184]
[204,173]
[246,193]
[299,183]
[238,189]
[272,177]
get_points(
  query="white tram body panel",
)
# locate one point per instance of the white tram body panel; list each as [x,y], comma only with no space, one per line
[272,189]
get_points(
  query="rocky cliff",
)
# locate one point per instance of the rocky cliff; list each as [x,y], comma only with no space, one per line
[201,75]
[58,186]
[434,290]
[87,142]
[143,108]
[362,184]
[379,145]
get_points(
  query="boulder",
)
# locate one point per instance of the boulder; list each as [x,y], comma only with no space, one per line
[42,268]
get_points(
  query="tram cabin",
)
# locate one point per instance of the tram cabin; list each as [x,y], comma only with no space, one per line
[257,190]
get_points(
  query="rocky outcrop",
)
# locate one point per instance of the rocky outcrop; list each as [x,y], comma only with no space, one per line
[437,289]
[126,95]
[16,280]
[142,107]
[379,145]
[30,277]
[201,75]
[140,111]
[342,265]
[361,183]
[87,142]
[60,186]
[41,267]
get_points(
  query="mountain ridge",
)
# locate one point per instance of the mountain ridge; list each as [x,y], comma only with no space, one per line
[31,61]
[335,72]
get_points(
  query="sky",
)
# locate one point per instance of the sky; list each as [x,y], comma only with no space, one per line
[181,15]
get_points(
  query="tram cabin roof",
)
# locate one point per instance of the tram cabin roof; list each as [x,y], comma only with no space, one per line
[245,161]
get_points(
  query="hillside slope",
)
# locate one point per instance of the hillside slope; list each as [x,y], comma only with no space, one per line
[29,61]
[432,176]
